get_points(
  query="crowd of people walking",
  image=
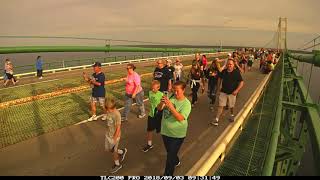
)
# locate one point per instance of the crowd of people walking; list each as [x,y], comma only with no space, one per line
[170,107]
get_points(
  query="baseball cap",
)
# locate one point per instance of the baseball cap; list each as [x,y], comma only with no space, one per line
[96,64]
[229,54]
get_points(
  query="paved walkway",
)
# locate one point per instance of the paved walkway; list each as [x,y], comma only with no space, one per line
[79,149]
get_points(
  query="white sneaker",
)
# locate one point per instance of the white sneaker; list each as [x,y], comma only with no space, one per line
[141,116]
[93,118]
[40,77]
[104,117]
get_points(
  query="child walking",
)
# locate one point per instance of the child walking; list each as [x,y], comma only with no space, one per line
[113,135]
[154,118]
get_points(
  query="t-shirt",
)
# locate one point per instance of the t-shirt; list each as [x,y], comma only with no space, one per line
[195,62]
[211,70]
[113,120]
[132,81]
[178,68]
[163,75]
[99,91]
[196,75]
[230,80]
[8,67]
[154,100]
[170,126]
[39,64]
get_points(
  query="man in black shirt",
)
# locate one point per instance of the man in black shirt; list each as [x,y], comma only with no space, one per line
[232,82]
[162,74]
[98,91]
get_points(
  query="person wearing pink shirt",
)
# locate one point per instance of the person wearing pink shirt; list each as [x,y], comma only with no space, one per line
[133,91]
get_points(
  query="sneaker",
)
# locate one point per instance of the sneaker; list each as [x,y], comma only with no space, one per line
[124,119]
[93,118]
[104,117]
[215,123]
[122,156]
[147,148]
[40,77]
[231,118]
[140,116]
[211,107]
[178,164]
[115,168]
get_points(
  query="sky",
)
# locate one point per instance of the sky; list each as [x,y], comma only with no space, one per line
[193,22]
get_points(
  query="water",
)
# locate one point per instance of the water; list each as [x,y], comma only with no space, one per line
[29,58]
[25,62]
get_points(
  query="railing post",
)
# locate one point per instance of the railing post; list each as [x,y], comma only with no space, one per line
[63,64]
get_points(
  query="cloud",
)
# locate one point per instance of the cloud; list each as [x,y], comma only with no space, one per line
[157,20]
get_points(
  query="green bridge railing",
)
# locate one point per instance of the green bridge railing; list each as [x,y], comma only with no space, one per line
[297,122]
[282,124]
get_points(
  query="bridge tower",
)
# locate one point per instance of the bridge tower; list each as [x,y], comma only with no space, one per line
[282,33]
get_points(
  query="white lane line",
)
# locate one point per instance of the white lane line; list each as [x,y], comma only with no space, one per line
[119,109]
[29,84]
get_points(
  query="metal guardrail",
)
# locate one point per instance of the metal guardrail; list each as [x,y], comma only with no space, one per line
[272,149]
[104,64]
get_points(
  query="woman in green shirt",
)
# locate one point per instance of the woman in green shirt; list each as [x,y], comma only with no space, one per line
[176,110]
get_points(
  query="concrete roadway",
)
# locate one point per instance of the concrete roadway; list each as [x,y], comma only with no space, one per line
[79,149]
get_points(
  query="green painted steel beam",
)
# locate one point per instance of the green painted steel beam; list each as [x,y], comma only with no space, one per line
[294,106]
[272,149]
[38,49]
[312,59]
[300,52]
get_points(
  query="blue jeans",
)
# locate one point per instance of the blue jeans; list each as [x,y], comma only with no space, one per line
[172,146]
[128,103]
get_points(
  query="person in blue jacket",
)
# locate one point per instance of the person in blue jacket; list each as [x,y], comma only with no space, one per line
[39,64]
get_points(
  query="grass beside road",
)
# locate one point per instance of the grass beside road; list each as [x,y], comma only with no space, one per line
[21,122]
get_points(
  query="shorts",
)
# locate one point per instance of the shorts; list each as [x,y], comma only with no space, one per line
[223,98]
[154,123]
[101,100]
[110,145]
[9,76]
[250,63]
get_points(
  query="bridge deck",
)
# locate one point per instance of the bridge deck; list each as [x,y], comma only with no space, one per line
[79,149]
